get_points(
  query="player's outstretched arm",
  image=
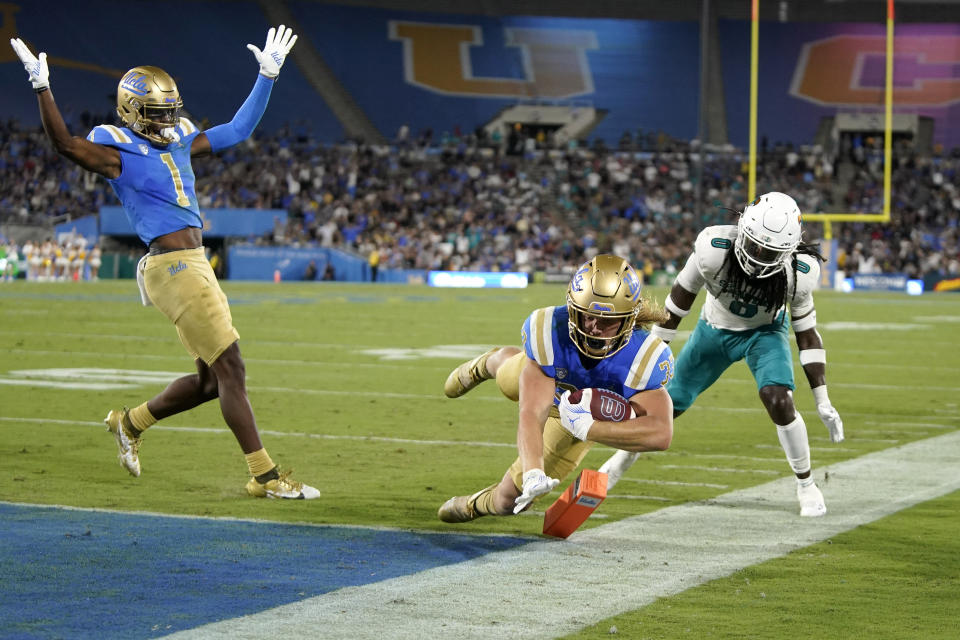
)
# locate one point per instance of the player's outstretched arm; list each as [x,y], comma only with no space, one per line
[652,430]
[813,358]
[91,156]
[536,398]
[271,59]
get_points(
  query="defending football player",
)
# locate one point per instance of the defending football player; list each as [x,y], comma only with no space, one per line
[596,340]
[147,161]
[752,271]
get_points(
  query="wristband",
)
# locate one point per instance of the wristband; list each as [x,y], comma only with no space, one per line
[40,90]
[672,307]
[664,334]
[805,323]
[820,395]
[810,356]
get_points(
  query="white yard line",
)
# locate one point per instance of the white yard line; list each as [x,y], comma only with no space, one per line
[551,588]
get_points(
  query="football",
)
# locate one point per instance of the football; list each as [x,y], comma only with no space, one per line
[605,404]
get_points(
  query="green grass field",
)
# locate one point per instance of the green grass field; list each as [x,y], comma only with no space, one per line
[346,382]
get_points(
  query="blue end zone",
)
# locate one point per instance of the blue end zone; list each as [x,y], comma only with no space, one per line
[78,573]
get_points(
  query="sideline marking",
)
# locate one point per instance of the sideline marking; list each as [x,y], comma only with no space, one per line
[663,553]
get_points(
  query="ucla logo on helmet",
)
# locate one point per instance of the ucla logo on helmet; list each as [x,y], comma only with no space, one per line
[577,284]
[633,284]
[135,82]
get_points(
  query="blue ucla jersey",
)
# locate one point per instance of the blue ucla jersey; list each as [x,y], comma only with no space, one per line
[156,184]
[646,362]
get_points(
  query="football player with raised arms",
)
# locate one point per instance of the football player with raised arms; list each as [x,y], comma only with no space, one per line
[596,340]
[752,272]
[147,161]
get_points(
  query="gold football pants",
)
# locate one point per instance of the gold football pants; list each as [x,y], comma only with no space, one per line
[182,285]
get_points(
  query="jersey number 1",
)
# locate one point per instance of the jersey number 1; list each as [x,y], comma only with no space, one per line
[182,198]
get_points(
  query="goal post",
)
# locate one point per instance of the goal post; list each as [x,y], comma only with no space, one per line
[827,218]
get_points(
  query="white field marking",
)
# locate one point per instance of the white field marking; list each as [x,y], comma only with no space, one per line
[164,377]
[873,326]
[407,441]
[63,384]
[297,434]
[860,433]
[454,351]
[765,472]
[910,425]
[281,434]
[629,497]
[936,318]
[172,339]
[674,483]
[101,355]
[621,566]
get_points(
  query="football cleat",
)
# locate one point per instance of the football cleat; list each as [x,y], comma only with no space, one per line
[127,445]
[811,501]
[458,509]
[283,487]
[468,375]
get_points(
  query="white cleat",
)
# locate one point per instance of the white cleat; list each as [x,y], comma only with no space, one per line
[811,501]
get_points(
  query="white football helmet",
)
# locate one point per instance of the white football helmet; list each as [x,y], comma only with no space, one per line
[767,235]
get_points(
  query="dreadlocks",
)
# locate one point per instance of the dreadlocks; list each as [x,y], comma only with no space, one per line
[770,293]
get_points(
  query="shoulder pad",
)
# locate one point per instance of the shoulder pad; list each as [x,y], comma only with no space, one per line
[187,128]
[807,272]
[110,135]
[538,336]
[711,247]
[652,366]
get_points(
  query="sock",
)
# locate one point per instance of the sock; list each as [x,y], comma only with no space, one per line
[260,464]
[140,420]
[793,439]
[483,501]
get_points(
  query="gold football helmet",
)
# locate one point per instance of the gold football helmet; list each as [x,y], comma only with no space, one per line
[605,289]
[149,103]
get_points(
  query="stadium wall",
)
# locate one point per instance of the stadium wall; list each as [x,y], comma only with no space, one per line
[644,74]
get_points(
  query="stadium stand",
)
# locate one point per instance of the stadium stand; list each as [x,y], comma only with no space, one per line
[459,189]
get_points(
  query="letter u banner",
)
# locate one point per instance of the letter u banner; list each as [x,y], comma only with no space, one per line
[437,57]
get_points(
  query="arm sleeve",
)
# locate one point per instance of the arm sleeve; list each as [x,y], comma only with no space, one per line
[246,119]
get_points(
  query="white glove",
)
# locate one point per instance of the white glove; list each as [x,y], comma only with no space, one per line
[831,418]
[829,415]
[279,43]
[535,484]
[37,71]
[617,464]
[576,418]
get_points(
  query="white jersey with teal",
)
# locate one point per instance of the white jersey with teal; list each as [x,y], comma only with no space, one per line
[725,311]
[156,184]
[646,362]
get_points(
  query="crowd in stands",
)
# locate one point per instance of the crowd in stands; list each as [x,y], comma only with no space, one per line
[66,259]
[461,203]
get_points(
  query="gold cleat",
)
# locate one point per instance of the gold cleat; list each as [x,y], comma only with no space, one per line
[468,375]
[283,487]
[458,509]
[128,446]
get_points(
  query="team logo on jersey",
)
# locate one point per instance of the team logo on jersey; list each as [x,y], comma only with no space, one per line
[144,149]
[561,373]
